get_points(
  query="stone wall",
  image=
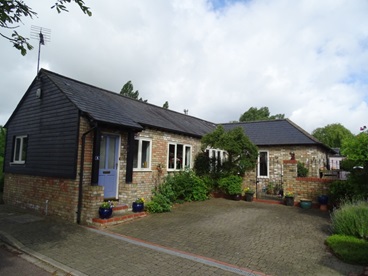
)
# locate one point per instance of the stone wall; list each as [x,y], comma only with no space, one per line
[313,157]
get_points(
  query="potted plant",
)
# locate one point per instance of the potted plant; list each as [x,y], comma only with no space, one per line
[232,186]
[270,188]
[249,193]
[305,203]
[289,199]
[138,205]
[105,210]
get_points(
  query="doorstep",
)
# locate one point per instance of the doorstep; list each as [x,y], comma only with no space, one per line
[117,219]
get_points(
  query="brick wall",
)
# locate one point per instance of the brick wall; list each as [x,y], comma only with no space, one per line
[55,196]
[303,187]
[145,181]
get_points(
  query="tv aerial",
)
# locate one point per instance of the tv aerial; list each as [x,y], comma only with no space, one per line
[42,35]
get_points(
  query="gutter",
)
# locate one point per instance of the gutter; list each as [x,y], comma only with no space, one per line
[80,190]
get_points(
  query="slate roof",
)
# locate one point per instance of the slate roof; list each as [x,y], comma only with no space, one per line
[275,133]
[109,107]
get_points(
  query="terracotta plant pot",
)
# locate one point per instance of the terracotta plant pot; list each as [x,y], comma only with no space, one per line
[236,197]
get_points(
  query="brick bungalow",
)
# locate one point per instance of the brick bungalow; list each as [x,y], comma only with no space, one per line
[71,145]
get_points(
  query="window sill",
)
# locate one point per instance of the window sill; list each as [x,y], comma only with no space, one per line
[142,170]
[17,163]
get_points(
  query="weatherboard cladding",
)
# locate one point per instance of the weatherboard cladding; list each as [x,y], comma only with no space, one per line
[274,132]
[51,124]
[108,107]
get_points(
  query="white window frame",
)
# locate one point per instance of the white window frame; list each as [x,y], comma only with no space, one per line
[19,159]
[175,157]
[217,153]
[139,157]
[259,164]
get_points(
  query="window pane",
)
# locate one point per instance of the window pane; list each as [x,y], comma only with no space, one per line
[187,157]
[179,156]
[171,157]
[24,148]
[263,164]
[135,156]
[18,142]
[112,153]
[102,152]
[145,154]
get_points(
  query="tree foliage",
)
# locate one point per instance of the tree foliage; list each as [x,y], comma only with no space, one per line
[356,148]
[13,11]
[332,135]
[128,91]
[255,114]
[166,105]
[242,153]
[2,141]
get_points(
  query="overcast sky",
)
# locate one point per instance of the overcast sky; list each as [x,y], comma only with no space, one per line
[306,59]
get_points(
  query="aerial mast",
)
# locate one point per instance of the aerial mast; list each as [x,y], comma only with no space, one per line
[42,35]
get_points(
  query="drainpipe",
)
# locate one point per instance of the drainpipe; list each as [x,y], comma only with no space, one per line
[80,191]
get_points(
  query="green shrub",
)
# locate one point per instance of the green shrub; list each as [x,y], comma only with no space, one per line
[351,219]
[187,186]
[341,190]
[232,185]
[302,170]
[202,164]
[158,204]
[177,187]
[349,249]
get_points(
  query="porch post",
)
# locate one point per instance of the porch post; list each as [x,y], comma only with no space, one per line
[96,156]
[130,157]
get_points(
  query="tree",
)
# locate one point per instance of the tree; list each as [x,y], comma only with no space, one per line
[255,114]
[2,142]
[332,135]
[12,12]
[128,91]
[166,105]
[356,150]
[242,153]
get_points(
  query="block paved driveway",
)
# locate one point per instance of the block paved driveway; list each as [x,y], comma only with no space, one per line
[272,239]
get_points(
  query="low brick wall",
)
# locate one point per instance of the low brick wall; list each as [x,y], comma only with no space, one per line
[52,197]
[303,187]
[45,195]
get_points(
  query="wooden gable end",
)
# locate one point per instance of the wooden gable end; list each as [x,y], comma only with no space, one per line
[50,122]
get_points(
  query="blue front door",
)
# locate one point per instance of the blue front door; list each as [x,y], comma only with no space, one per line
[108,171]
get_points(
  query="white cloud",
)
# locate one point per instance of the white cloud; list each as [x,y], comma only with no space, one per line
[306,59]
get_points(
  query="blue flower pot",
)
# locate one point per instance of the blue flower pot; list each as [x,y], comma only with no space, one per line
[137,207]
[105,213]
[323,199]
